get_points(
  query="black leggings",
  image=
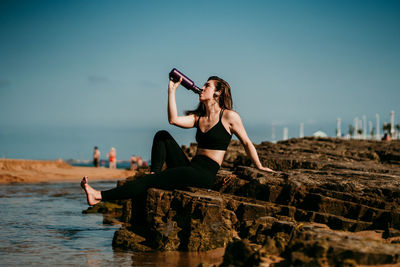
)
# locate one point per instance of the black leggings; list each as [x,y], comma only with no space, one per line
[180,172]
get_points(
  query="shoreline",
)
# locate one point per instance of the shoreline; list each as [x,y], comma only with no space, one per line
[38,171]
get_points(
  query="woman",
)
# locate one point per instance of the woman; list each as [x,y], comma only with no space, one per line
[215,122]
[96,157]
[112,158]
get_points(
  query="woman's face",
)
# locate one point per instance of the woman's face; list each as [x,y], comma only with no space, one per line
[208,91]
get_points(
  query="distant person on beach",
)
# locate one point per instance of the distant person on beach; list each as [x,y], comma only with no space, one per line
[140,162]
[112,158]
[386,137]
[96,157]
[215,122]
[136,162]
[133,162]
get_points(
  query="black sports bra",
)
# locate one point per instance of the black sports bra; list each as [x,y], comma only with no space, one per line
[216,138]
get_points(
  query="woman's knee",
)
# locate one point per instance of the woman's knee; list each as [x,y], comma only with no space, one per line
[162,135]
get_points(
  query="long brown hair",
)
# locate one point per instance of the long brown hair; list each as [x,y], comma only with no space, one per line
[225,97]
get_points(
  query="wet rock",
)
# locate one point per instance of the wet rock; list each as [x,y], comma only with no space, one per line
[197,219]
[105,207]
[307,214]
[322,246]
[311,245]
[239,253]
[124,238]
[184,220]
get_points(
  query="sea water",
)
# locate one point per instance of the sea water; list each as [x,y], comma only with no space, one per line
[43,225]
[67,142]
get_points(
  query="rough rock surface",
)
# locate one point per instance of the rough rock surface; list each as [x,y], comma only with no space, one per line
[333,202]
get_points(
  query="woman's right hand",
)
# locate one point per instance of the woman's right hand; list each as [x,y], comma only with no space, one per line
[266,169]
[172,86]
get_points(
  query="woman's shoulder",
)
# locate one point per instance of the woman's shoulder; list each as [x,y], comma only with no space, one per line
[231,115]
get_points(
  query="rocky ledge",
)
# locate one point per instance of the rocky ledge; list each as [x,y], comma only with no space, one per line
[333,202]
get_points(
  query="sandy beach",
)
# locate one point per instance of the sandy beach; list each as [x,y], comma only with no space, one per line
[36,171]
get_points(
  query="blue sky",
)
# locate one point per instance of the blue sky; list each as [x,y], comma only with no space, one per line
[105,63]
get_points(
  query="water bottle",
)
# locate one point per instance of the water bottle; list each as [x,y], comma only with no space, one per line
[175,75]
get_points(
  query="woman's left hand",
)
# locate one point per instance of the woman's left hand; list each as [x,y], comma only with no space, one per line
[266,169]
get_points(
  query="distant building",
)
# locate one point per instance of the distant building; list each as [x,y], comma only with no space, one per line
[320,134]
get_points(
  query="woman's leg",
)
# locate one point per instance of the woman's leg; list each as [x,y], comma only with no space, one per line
[169,179]
[92,196]
[166,150]
[200,173]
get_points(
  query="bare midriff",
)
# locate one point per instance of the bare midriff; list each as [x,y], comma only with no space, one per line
[215,155]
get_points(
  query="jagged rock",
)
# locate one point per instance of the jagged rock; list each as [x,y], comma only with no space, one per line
[239,253]
[311,245]
[129,240]
[322,246]
[105,207]
[339,182]
[194,220]
[325,191]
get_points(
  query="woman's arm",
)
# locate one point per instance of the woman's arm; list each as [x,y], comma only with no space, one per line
[237,128]
[173,118]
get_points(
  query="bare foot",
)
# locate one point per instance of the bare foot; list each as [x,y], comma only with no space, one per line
[93,196]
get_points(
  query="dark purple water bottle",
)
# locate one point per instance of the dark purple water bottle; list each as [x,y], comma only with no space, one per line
[175,75]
